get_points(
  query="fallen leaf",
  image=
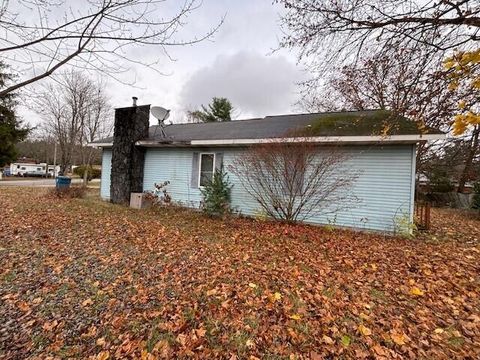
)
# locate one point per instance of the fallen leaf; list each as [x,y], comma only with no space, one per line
[398,339]
[345,340]
[103,355]
[456,333]
[364,330]
[327,340]
[379,350]
[250,344]
[49,326]
[182,339]
[22,305]
[295,317]
[200,332]
[252,285]
[277,296]
[100,341]
[416,291]
[364,316]
[211,292]
[87,302]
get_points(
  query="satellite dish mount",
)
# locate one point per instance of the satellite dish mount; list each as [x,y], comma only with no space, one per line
[161,114]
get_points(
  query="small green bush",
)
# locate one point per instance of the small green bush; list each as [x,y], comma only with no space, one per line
[476,196]
[402,226]
[93,173]
[216,194]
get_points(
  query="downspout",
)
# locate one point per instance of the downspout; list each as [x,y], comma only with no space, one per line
[412,186]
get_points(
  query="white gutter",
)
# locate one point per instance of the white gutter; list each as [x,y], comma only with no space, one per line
[324,139]
[315,139]
[100,145]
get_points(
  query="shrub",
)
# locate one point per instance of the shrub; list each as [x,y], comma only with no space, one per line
[160,194]
[93,173]
[476,196]
[402,226]
[294,181]
[216,194]
[440,182]
[72,192]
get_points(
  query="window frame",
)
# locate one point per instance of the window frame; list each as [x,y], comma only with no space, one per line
[200,166]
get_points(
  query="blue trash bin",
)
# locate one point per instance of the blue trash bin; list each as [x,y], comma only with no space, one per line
[63,182]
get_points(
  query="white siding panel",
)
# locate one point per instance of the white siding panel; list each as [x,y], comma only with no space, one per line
[106,171]
[384,186]
[174,165]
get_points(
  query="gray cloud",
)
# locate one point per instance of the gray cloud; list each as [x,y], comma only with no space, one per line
[256,84]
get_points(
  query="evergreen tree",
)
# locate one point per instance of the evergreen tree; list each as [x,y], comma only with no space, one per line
[11,129]
[216,194]
[219,110]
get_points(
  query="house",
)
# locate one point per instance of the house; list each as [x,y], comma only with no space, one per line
[384,152]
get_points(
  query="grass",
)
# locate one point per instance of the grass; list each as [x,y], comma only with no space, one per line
[173,283]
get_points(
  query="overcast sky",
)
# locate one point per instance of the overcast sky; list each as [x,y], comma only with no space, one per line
[239,62]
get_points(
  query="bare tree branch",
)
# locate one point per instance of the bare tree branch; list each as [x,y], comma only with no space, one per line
[327,32]
[296,181]
[75,112]
[110,27]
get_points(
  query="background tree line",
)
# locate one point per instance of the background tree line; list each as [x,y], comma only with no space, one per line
[74,111]
[43,150]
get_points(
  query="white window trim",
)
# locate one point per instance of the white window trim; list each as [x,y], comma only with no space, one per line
[200,166]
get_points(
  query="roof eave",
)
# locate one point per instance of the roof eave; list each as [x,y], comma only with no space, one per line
[370,139]
[100,145]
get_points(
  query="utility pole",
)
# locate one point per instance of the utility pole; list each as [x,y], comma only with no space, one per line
[55,161]
[46,159]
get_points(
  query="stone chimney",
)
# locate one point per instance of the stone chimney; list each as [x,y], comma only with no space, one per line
[131,125]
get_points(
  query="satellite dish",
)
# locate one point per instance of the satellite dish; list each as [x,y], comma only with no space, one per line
[160,113]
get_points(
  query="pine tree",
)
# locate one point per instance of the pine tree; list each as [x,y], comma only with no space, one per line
[219,110]
[11,129]
[216,194]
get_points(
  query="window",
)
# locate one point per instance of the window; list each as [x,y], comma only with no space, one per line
[18,166]
[23,168]
[207,168]
[39,169]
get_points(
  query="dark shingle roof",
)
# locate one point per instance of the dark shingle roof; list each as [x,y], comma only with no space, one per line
[354,123]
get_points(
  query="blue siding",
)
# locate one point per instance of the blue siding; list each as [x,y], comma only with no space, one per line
[384,186]
[106,171]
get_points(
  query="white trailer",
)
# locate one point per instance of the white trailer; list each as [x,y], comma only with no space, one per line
[32,169]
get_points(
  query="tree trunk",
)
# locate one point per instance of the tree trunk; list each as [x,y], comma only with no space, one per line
[85,176]
[87,164]
[469,160]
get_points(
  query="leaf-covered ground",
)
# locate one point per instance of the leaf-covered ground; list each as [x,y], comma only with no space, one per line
[83,278]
